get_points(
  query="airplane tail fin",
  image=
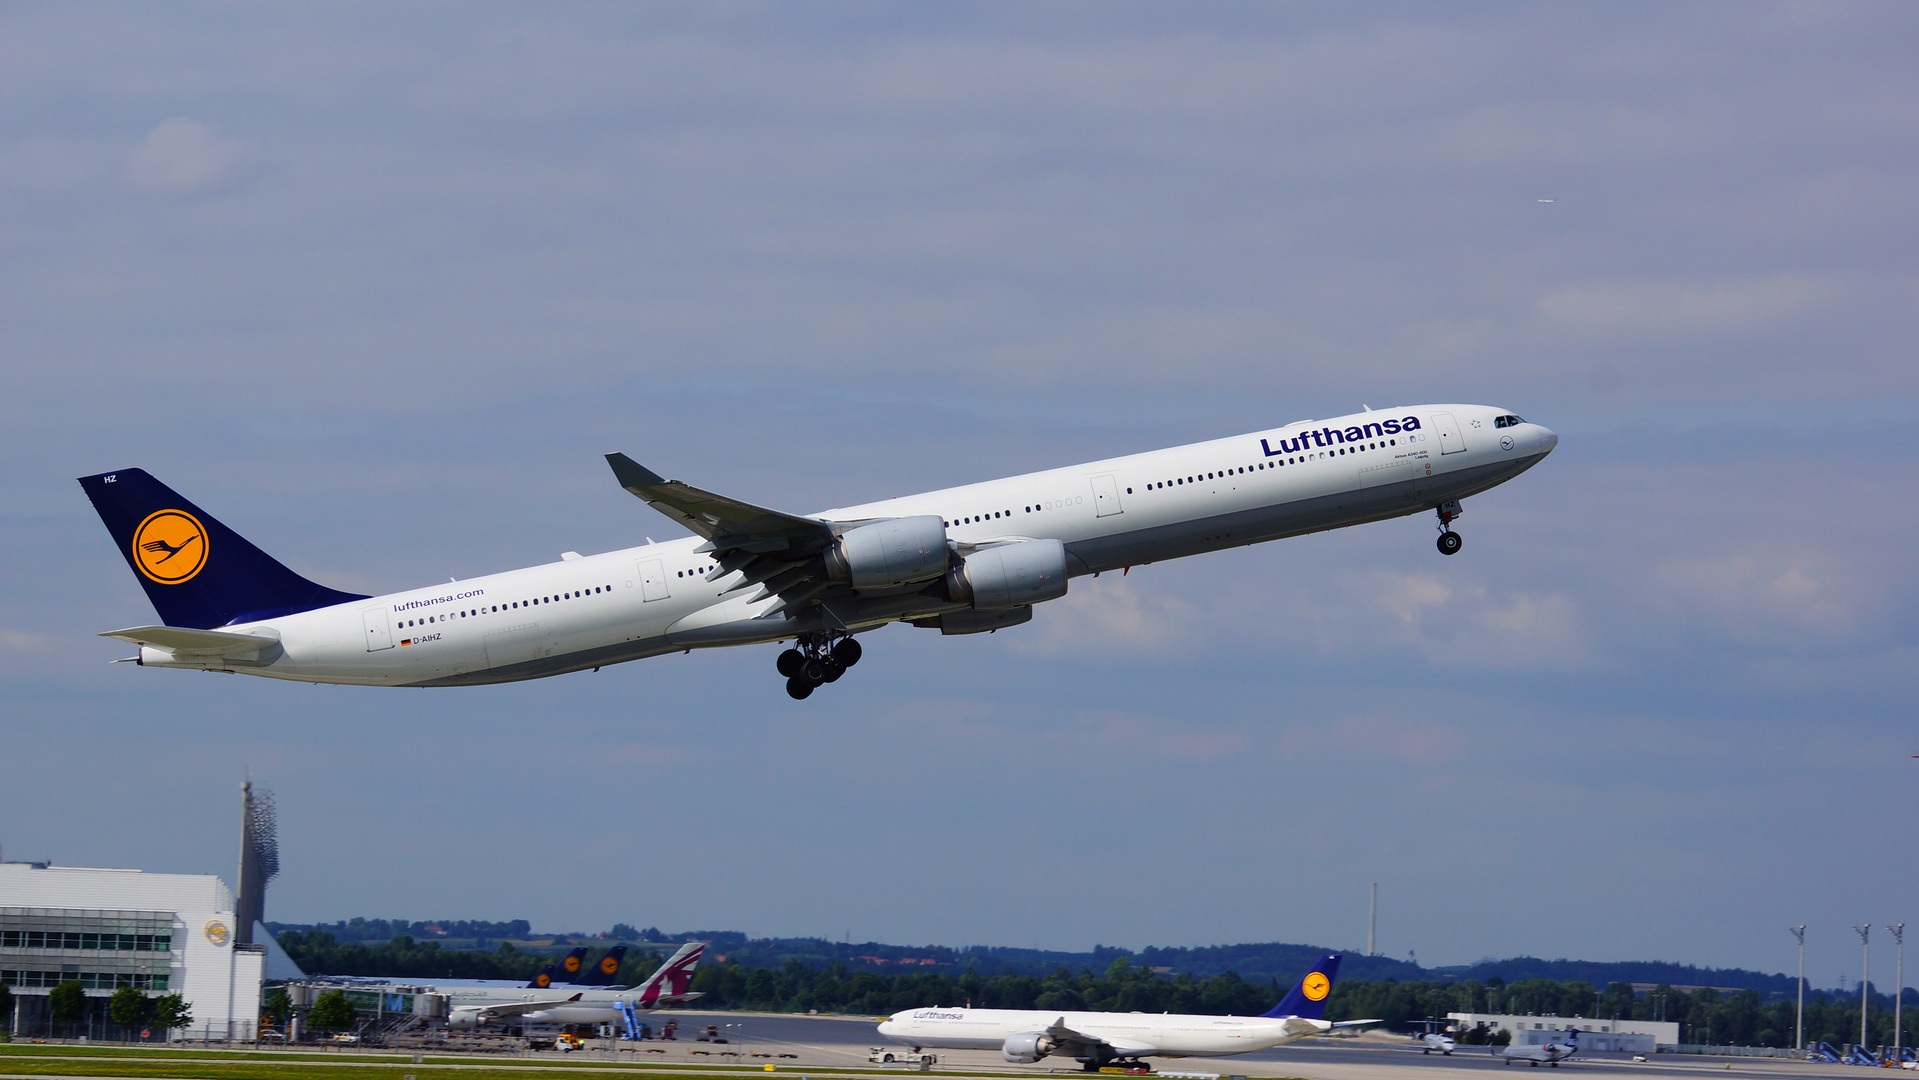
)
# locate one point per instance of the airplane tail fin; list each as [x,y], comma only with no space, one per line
[1308,999]
[673,977]
[564,970]
[603,971]
[197,572]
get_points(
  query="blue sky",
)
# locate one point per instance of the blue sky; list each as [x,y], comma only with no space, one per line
[380,286]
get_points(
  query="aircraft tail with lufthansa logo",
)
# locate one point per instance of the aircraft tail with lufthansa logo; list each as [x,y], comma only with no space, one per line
[197,572]
[565,970]
[604,971]
[1308,1000]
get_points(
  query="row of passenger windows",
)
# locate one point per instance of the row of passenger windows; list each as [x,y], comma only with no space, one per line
[476,612]
[89,980]
[55,939]
[1181,481]
[696,571]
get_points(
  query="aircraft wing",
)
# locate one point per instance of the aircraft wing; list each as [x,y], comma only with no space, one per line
[190,642]
[715,517]
[1074,1043]
[1357,1023]
[773,551]
[519,1008]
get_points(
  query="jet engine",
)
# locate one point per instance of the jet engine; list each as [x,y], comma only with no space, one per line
[1026,1047]
[888,553]
[1010,575]
[464,1019]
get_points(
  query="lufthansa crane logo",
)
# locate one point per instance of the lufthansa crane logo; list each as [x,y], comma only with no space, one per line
[572,963]
[608,965]
[170,546]
[1315,986]
[216,932]
[543,980]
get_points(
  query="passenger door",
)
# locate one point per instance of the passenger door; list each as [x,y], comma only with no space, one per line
[379,633]
[653,580]
[1450,441]
[1106,496]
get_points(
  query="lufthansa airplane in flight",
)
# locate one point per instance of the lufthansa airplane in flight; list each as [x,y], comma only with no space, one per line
[963,560]
[1101,1039]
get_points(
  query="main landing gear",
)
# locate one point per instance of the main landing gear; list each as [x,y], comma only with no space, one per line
[816,659]
[1449,541]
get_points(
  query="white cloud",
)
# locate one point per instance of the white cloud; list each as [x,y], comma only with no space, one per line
[1100,616]
[182,156]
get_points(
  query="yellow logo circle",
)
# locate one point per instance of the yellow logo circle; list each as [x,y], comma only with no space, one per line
[170,546]
[217,932]
[609,965]
[543,979]
[1316,986]
[572,963]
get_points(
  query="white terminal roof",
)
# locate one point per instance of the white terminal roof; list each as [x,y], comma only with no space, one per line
[26,885]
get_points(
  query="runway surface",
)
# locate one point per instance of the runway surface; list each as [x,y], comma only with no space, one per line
[829,1042]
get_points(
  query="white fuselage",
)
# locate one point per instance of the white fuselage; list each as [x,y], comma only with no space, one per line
[1129,1034]
[586,612]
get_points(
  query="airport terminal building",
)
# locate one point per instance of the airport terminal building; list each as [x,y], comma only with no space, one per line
[1616,1036]
[161,933]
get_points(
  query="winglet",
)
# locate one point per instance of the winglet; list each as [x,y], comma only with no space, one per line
[632,475]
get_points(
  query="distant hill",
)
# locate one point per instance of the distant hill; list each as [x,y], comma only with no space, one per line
[1261,963]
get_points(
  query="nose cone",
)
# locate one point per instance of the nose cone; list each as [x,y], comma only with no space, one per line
[1547,440]
[887,1027]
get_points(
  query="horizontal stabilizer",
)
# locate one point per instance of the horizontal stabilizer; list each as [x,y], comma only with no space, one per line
[185,641]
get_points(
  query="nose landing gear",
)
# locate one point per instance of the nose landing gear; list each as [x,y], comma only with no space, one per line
[815,660]
[1449,541]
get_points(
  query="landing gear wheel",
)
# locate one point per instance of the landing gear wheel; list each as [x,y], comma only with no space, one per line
[1450,543]
[834,669]
[813,671]
[847,652]
[798,689]
[790,661]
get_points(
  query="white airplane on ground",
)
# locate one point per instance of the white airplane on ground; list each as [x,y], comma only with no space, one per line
[963,560]
[470,1006]
[1552,1053]
[1098,1039]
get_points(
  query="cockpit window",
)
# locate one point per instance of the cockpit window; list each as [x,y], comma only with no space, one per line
[1508,420]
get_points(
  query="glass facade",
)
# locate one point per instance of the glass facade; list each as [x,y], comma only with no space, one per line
[105,950]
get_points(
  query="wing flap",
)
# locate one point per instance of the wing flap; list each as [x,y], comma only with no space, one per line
[186,641]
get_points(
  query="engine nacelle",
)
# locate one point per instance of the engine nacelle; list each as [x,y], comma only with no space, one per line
[1026,1047]
[885,553]
[1010,575]
[465,1019]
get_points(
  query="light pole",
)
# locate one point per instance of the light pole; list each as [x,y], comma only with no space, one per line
[1899,994]
[1865,976]
[1799,1024]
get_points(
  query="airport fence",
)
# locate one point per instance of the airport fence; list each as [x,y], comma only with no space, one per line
[1734,1051]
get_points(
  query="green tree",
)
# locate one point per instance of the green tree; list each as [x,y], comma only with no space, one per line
[331,1012]
[170,1013]
[276,1007]
[129,1008]
[67,1003]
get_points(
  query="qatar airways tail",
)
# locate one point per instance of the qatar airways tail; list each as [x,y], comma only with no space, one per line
[962,560]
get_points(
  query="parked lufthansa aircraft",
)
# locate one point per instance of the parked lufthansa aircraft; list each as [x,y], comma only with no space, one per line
[1099,1039]
[962,560]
